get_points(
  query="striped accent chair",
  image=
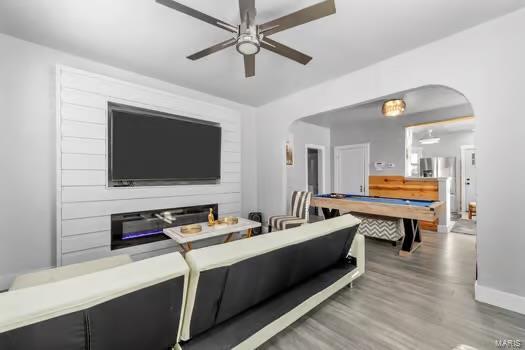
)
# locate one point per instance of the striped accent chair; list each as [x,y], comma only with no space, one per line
[298,216]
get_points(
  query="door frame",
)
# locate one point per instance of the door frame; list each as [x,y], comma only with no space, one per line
[337,154]
[463,164]
[322,152]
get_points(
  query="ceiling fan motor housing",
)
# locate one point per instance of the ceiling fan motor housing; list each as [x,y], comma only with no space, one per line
[248,44]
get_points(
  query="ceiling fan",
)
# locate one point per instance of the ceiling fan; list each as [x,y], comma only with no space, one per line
[250,37]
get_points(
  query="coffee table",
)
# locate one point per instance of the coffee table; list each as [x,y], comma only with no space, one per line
[185,240]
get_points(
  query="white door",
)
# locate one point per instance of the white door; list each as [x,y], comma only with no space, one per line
[470,176]
[351,169]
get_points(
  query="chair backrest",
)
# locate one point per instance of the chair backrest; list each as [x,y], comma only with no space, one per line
[301,204]
[133,306]
[227,279]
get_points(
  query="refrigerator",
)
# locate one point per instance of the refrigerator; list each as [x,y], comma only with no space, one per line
[441,167]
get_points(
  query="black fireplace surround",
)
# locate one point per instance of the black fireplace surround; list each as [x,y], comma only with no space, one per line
[136,228]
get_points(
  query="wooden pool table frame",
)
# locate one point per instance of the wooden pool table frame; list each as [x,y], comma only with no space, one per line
[410,214]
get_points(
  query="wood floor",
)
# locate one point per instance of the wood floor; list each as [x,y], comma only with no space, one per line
[421,302]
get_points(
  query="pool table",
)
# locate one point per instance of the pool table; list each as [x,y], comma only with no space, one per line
[411,211]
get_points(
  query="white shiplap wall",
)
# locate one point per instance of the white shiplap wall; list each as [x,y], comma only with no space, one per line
[85,203]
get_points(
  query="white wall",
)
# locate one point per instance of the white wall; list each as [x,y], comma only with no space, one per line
[27,149]
[307,134]
[486,64]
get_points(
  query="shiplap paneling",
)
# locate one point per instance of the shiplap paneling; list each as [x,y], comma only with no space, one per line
[83,177]
[101,208]
[86,204]
[102,193]
[72,145]
[85,255]
[83,161]
[85,225]
[83,130]
[83,114]
[86,241]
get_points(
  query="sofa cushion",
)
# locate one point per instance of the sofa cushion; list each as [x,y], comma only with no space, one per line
[262,318]
[65,272]
[228,279]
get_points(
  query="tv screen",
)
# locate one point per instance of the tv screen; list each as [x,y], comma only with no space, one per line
[153,146]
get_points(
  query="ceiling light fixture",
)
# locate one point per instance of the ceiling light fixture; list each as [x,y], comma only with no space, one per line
[429,140]
[248,44]
[394,108]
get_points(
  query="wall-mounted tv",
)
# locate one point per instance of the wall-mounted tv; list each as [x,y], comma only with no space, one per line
[153,148]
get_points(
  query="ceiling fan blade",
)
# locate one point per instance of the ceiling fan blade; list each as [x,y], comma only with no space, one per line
[199,15]
[249,66]
[303,16]
[247,11]
[285,51]
[213,49]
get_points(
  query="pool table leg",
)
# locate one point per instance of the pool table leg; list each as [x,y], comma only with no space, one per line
[412,239]
[330,213]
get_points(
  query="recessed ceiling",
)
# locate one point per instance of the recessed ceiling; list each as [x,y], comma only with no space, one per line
[423,104]
[150,39]
[452,127]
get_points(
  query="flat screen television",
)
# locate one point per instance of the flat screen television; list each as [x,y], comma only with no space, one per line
[153,148]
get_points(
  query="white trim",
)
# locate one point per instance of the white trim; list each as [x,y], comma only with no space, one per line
[58,140]
[463,206]
[338,149]
[500,298]
[322,149]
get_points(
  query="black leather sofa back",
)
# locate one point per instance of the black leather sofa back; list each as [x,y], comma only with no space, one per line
[145,319]
[143,312]
[226,291]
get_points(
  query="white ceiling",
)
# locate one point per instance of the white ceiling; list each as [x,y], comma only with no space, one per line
[150,39]
[422,104]
[463,125]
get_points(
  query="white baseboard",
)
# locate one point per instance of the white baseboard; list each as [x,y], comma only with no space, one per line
[509,301]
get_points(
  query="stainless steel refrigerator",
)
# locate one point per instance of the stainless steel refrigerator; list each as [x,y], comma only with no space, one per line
[441,167]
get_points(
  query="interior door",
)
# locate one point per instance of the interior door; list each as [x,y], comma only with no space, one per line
[470,176]
[351,166]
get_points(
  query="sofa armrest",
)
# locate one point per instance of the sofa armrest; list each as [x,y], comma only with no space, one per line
[357,251]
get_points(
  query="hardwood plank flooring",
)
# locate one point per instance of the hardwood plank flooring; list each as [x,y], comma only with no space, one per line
[425,301]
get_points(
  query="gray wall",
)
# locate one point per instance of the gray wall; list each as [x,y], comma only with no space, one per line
[386,138]
[27,150]
[303,134]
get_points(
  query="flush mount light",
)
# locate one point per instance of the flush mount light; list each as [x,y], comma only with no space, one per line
[394,108]
[429,140]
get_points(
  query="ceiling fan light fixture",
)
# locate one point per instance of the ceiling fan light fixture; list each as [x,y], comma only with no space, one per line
[248,44]
[394,108]
[429,140]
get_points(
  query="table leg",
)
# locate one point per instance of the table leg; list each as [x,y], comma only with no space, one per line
[330,213]
[186,247]
[229,237]
[412,239]
[249,233]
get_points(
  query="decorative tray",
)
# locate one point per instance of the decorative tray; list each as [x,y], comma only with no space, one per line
[228,220]
[190,229]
